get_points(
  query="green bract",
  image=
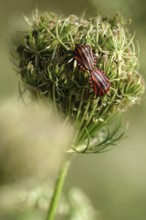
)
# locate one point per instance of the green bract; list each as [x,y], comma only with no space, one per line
[47,69]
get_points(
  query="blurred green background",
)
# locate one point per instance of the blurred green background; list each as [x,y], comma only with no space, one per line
[114,181]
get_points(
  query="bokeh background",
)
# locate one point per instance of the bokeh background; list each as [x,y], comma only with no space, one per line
[114,181]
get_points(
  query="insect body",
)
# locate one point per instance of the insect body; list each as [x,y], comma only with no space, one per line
[99,81]
[86,60]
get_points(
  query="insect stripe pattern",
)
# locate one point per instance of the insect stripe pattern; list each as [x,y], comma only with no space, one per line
[86,61]
[85,57]
[100,82]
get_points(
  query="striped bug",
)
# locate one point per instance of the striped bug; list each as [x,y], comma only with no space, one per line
[86,60]
[99,82]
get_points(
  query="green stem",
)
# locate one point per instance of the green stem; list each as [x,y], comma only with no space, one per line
[58,189]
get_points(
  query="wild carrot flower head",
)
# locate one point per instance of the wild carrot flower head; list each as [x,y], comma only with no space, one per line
[48,70]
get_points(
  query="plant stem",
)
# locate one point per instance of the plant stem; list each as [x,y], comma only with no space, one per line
[58,189]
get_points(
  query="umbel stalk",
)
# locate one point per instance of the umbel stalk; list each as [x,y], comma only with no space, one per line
[58,188]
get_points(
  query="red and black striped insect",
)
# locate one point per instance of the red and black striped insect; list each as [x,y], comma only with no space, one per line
[86,60]
[99,82]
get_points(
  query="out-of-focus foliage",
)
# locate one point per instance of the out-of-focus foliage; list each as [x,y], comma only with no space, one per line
[33,203]
[32,141]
